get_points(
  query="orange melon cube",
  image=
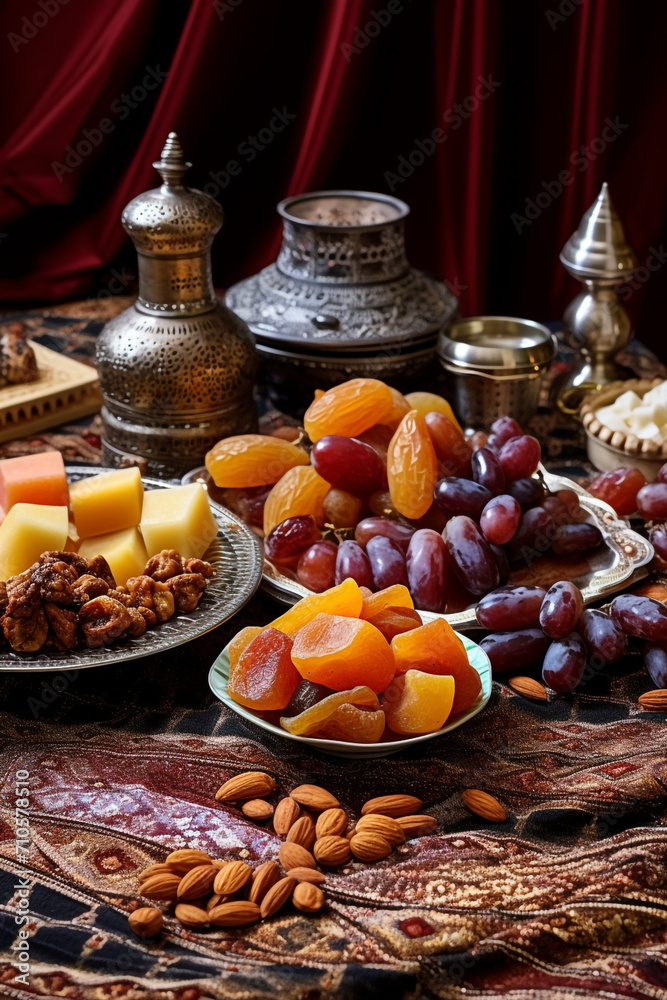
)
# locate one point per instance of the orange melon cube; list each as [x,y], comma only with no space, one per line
[36,479]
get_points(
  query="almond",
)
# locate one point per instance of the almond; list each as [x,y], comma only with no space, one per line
[484,805]
[307,875]
[332,851]
[308,898]
[257,809]
[370,847]
[654,701]
[161,886]
[197,882]
[528,687]
[263,878]
[302,832]
[392,805]
[154,870]
[146,922]
[383,826]
[417,826]
[238,913]
[277,896]
[295,856]
[191,916]
[182,861]
[219,864]
[232,877]
[315,798]
[215,901]
[249,785]
[331,823]
[287,812]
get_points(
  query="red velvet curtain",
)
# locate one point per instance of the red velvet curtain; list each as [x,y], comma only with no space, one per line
[472,111]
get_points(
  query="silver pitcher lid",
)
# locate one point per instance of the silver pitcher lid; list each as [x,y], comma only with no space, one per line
[599,249]
[498,342]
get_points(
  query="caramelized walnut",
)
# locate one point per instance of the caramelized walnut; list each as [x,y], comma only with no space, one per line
[73,559]
[98,566]
[64,626]
[138,623]
[87,587]
[3,597]
[22,595]
[149,616]
[55,580]
[187,589]
[104,619]
[28,633]
[164,565]
[198,566]
[148,593]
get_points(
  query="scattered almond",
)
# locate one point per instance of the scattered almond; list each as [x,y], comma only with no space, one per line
[308,898]
[331,823]
[315,798]
[370,847]
[182,861]
[287,812]
[191,916]
[146,922]
[307,875]
[238,913]
[154,870]
[197,882]
[418,825]
[232,877]
[528,687]
[249,785]
[277,896]
[332,851]
[383,826]
[484,805]
[263,878]
[161,886]
[257,809]
[295,856]
[392,805]
[302,832]
[654,701]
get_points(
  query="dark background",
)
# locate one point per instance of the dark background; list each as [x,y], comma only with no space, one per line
[559,68]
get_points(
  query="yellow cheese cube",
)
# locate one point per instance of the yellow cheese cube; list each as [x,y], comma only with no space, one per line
[28,530]
[123,550]
[178,519]
[108,502]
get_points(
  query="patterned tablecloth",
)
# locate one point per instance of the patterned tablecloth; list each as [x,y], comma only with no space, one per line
[567,898]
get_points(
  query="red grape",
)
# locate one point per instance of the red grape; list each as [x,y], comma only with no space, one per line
[427,569]
[487,472]
[387,562]
[658,539]
[640,616]
[533,536]
[352,561]
[474,561]
[662,474]
[342,509]
[510,608]
[527,492]
[619,489]
[564,663]
[500,519]
[493,443]
[505,428]
[652,502]
[655,661]
[570,539]
[461,496]
[348,464]
[514,650]
[604,641]
[449,444]
[291,538]
[520,456]
[372,526]
[561,609]
[317,566]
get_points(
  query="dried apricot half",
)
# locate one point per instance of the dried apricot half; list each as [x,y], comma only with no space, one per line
[343,652]
[349,408]
[248,460]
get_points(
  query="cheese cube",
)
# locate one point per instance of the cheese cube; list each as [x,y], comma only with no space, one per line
[36,479]
[123,550]
[178,519]
[108,502]
[28,530]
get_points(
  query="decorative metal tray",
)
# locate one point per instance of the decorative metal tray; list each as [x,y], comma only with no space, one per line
[621,561]
[236,555]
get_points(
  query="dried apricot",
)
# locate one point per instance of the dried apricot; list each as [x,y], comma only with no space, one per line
[300,491]
[356,725]
[395,621]
[348,408]
[240,642]
[252,460]
[397,596]
[264,677]
[313,718]
[412,467]
[345,600]
[430,402]
[436,649]
[416,702]
[343,652]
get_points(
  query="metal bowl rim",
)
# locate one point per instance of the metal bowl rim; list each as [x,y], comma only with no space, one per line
[283,209]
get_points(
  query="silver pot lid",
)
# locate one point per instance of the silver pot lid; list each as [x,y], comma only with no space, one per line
[599,249]
[496,342]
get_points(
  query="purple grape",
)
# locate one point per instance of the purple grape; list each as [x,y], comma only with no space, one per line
[658,538]
[461,496]
[527,492]
[564,663]
[604,641]
[510,608]
[520,456]
[503,564]
[514,650]
[494,443]
[561,609]
[571,539]
[662,474]
[387,562]
[427,567]
[533,536]
[317,566]
[652,502]
[487,472]
[505,428]
[372,526]
[655,661]
[500,519]
[640,616]
[474,562]
[347,464]
[353,562]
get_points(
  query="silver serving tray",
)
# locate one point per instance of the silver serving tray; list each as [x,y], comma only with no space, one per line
[236,556]
[621,561]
